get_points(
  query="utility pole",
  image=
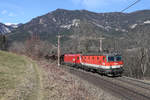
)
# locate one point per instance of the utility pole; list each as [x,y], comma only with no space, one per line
[101,44]
[115,45]
[58,49]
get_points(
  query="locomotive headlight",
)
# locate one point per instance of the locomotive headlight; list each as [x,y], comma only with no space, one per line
[103,63]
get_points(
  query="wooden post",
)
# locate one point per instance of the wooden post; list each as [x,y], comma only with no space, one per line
[58,50]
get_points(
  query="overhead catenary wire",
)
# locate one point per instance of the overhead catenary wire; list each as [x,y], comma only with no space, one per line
[116,42]
[131,5]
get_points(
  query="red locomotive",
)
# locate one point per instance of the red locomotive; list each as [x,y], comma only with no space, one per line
[106,64]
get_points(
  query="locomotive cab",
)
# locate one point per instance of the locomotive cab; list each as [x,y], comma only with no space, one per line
[114,58]
[114,64]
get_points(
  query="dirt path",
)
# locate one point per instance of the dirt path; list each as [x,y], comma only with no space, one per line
[38,73]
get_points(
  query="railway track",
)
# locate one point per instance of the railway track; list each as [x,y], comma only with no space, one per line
[135,82]
[123,87]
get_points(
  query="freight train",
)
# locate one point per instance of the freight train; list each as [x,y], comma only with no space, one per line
[105,64]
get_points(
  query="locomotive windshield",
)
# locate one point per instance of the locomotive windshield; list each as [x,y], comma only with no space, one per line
[114,58]
[118,58]
[110,58]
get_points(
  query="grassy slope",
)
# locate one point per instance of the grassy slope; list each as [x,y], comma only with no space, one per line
[19,78]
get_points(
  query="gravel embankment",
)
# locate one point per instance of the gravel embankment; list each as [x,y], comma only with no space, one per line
[59,84]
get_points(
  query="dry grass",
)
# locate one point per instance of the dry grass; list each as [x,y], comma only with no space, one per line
[19,78]
[59,84]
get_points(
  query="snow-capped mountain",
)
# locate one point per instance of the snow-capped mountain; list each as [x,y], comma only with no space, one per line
[8,27]
[4,29]
[13,25]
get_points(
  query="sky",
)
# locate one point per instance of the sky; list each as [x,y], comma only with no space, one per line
[22,11]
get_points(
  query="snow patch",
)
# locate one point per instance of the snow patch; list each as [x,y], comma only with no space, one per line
[14,25]
[41,21]
[98,25]
[133,26]
[9,24]
[75,23]
[54,19]
[66,26]
[147,22]
[108,28]
[103,27]
[116,29]
[123,30]
[7,30]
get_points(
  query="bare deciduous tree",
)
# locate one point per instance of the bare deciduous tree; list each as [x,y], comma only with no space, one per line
[32,47]
[144,60]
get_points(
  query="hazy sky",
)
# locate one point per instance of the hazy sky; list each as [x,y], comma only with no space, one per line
[22,11]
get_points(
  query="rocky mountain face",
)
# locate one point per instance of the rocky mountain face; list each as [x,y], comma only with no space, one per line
[82,26]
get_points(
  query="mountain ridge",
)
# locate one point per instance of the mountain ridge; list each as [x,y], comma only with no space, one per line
[83,24]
